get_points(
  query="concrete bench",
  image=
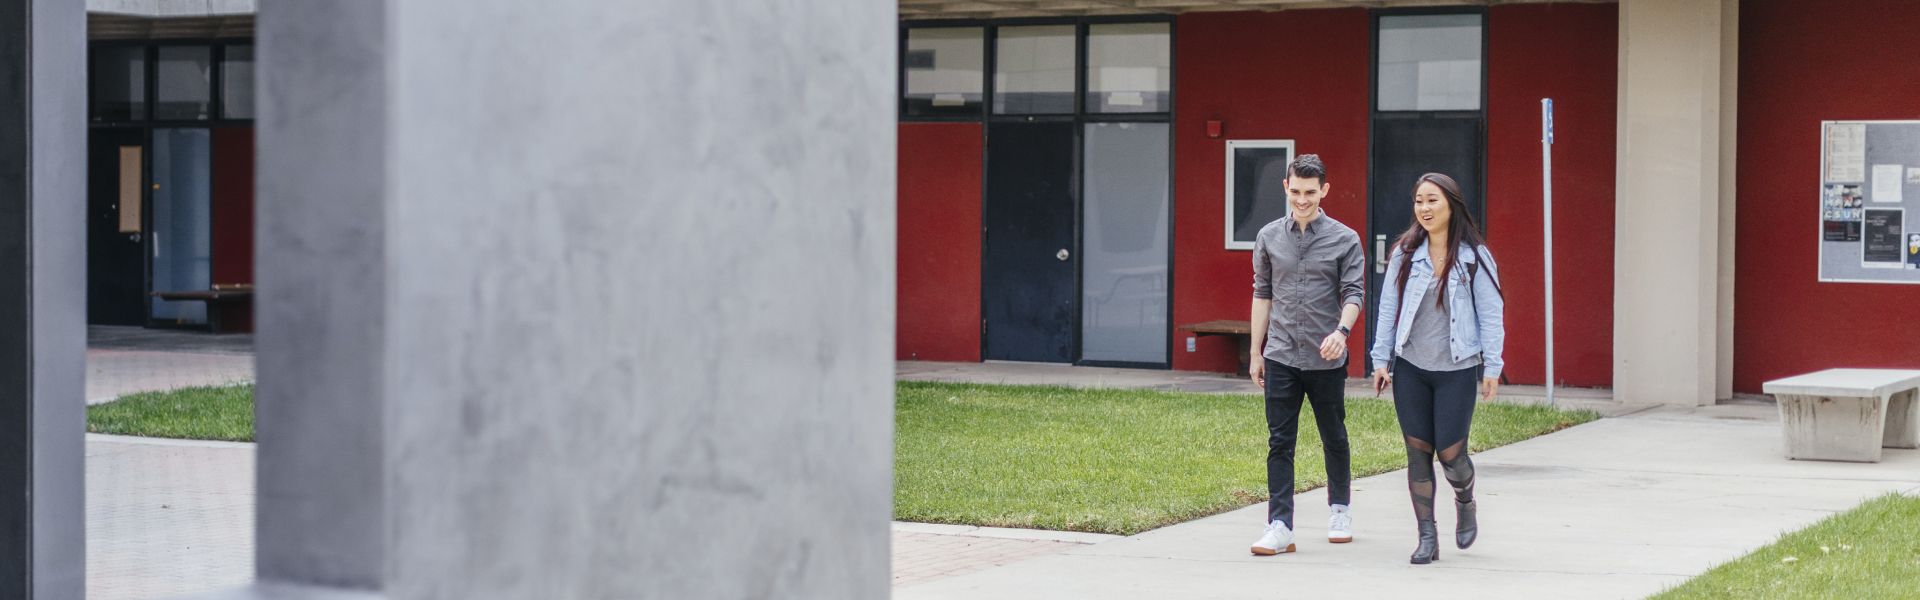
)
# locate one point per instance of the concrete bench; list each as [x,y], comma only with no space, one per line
[1848,414]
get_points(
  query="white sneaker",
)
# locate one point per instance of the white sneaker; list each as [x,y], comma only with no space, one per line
[1277,540]
[1340,525]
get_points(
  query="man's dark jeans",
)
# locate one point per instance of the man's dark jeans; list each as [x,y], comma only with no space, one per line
[1326,390]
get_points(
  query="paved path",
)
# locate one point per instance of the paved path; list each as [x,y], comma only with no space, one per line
[925,552]
[1619,508]
[167,518]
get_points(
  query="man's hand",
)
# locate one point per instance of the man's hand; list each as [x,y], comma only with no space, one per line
[1488,387]
[1381,379]
[1335,346]
[1257,368]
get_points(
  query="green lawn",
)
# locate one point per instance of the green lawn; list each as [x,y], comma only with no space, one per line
[1124,461]
[201,413]
[1872,551]
[1107,461]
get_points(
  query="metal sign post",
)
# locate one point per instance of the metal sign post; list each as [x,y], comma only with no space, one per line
[1546,218]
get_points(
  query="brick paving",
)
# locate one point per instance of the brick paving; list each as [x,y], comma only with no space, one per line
[924,557]
[124,360]
[114,373]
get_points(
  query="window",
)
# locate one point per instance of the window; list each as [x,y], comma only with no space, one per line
[1034,70]
[119,83]
[236,82]
[1129,68]
[185,83]
[1429,62]
[945,71]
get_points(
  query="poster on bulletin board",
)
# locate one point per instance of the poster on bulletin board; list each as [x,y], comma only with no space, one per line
[1870,201]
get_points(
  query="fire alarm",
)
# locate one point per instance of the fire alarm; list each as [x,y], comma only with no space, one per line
[1214,128]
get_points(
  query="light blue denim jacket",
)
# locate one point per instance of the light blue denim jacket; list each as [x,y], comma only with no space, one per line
[1477,323]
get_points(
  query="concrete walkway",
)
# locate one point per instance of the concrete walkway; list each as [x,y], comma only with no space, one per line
[1619,508]
[166,517]
[1622,507]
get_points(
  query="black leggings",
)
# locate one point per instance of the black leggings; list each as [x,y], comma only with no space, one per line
[1436,412]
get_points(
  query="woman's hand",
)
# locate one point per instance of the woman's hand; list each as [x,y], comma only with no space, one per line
[1380,380]
[1488,387]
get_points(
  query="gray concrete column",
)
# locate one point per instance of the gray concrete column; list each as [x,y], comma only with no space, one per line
[1667,263]
[320,221]
[576,299]
[1729,137]
[43,137]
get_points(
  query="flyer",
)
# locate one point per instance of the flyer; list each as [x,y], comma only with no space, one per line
[1847,152]
[1887,183]
[1840,213]
[1883,243]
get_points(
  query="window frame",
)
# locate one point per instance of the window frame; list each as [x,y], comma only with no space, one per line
[989,41]
[1373,49]
[216,110]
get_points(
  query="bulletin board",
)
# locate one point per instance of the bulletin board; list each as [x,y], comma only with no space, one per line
[1870,201]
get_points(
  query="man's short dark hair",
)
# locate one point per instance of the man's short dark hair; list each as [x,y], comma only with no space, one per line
[1308,166]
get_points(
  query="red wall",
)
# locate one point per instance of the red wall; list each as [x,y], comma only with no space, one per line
[939,244]
[1785,321]
[232,199]
[232,203]
[1297,74]
[1567,52]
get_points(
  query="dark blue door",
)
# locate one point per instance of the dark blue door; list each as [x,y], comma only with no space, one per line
[1404,148]
[1028,269]
[116,263]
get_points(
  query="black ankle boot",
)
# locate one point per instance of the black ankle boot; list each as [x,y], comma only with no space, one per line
[1429,549]
[1468,526]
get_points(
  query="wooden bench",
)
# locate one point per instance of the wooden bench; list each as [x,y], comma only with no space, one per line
[225,305]
[1848,414]
[1241,330]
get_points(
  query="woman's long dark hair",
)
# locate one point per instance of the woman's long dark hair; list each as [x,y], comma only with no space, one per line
[1460,230]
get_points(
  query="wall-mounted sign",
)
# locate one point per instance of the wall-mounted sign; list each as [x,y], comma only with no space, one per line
[1869,171]
[1256,188]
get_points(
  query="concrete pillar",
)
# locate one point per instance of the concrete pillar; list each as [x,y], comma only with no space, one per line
[320,256]
[576,299]
[43,137]
[1668,270]
[1729,136]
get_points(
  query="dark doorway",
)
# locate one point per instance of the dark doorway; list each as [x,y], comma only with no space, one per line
[1429,115]
[116,227]
[1028,270]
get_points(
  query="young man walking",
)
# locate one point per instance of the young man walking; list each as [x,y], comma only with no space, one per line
[1307,288]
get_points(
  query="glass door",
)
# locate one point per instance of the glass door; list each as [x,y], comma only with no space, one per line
[182,223]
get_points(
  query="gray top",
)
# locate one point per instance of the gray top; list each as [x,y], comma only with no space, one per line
[1430,340]
[1309,275]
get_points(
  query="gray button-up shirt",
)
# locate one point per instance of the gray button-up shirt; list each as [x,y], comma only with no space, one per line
[1310,275]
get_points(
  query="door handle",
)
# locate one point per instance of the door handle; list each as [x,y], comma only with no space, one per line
[1063,255]
[1380,254]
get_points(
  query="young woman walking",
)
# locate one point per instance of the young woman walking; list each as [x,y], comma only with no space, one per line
[1438,335]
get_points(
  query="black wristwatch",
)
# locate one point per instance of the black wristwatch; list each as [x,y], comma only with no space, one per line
[1344,331]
